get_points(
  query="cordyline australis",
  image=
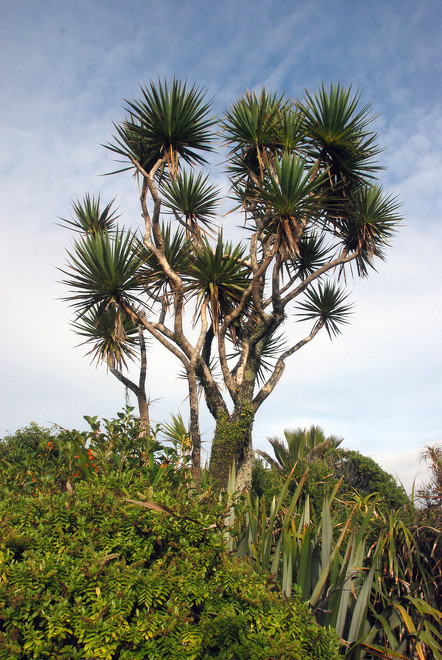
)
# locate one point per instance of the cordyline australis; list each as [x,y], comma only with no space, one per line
[302,176]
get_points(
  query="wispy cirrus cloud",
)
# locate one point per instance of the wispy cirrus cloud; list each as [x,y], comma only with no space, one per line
[379,384]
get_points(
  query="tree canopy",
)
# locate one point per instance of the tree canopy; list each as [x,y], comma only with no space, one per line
[302,177]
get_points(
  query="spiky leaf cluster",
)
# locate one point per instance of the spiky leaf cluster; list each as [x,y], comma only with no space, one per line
[295,167]
[103,270]
[167,122]
[219,276]
[326,304]
[89,218]
[112,334]
[193,197]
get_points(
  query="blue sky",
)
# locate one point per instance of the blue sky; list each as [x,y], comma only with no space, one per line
[65,69]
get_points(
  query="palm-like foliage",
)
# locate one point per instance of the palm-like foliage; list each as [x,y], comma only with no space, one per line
[312,254]
[290,197]
[89,218]
[253,128]
[291,130]
[368,226]
[218,276]
[194,198]
[325,304]
[112,334]
[103,270]
[338,135]
[166,122]
[300,445]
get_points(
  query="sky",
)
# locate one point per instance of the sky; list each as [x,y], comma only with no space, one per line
[66,68]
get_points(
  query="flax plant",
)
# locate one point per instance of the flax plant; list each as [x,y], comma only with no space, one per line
[359,570]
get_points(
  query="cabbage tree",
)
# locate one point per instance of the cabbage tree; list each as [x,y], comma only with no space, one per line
[302,177]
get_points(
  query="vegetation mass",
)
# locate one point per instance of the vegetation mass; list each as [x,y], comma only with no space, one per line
[108,550]
[303,187]
[118,542]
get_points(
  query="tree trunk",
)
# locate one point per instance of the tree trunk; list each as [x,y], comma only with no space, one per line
[143,407]
[232,444]
[195,428]
[143,404]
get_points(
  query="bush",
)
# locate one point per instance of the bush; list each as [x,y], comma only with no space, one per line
[27,457]
[37,459]
[320,481]
[266,481]
[364,475]
[94,574]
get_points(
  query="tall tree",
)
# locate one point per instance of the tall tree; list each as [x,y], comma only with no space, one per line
[302,174]
[114,336]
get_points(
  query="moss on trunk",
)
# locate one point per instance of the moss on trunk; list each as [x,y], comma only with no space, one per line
[232,442]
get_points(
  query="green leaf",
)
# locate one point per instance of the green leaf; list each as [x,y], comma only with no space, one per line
[168,122]
[338,136]
[370,221]
[88,217]
[193,197]
[359,617]
[113,335]
[219,276]
[254,128]
[326,305]
[102,270]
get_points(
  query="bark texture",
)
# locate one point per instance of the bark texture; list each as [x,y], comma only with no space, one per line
[232,445]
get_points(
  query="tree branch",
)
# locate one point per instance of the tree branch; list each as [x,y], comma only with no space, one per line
[123,379]
[271,383]
[143,358]
[342,259]
[137,317]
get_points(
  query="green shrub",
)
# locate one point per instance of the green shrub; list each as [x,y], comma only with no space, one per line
[96,573]
[37,459]
[319,481]
[364,475]
[27,457]
[266,481]
[361,477]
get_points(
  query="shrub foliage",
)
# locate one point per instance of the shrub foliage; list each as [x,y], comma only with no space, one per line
[107,551]
[122,567]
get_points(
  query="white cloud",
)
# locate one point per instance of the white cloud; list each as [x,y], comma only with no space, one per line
[378,385]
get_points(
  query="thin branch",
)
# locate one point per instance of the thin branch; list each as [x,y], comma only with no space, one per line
[240,367]
[203,333]
[137,317]
[222,353]
[230,318]
[143,357]
[123,379]
[138,166]
[342,259]
[162,315]
[271,383]
[281,290]
[158,249]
